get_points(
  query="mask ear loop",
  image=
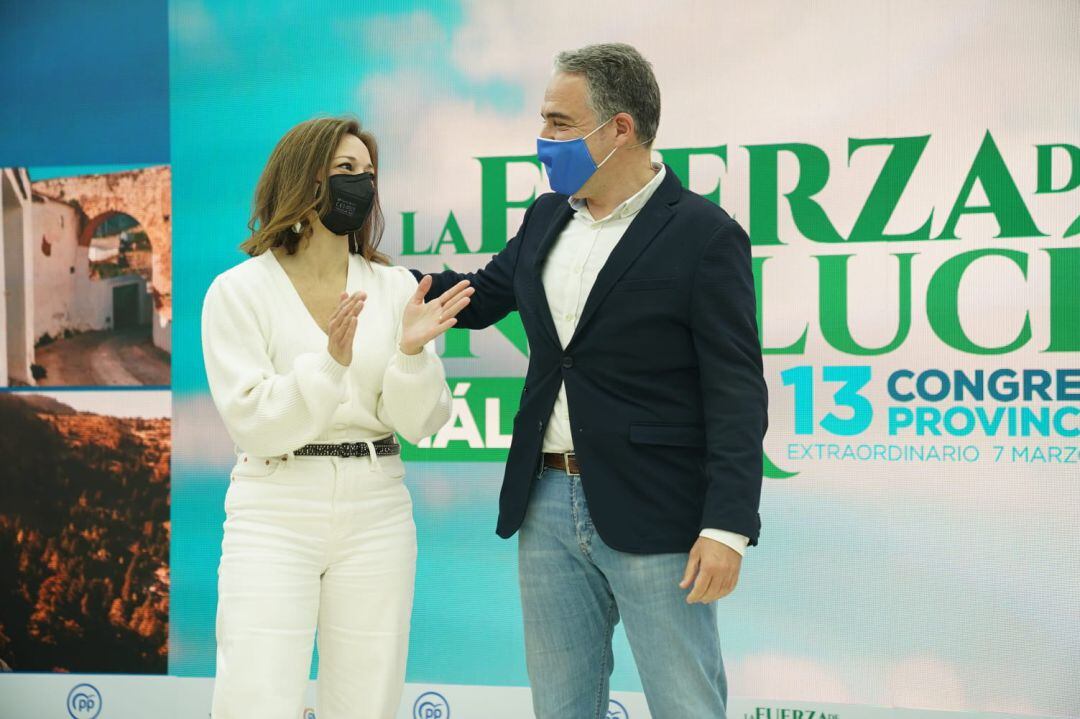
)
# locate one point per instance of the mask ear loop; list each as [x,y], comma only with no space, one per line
[596,129]
[613,150]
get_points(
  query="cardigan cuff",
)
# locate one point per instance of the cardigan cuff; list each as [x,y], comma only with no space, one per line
[332,368]
[412,364]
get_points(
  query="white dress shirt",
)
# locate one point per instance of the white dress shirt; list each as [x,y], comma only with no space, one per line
[570,272]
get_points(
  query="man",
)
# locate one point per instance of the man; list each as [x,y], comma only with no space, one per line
[634,472]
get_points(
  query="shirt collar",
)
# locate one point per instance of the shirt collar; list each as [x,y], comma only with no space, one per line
[629,206]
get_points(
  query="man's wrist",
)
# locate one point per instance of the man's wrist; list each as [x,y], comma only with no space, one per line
[736,541]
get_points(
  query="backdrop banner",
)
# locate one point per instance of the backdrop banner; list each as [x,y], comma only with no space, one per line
[909,174]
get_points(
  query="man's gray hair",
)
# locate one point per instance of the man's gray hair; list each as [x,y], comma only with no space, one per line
[619,80]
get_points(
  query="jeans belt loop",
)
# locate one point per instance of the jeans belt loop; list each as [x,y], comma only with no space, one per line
[372,454]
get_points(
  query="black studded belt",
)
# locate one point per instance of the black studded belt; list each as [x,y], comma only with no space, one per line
[383,448]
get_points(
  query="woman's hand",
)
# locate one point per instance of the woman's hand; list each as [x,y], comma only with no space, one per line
[343,327]
[424,321]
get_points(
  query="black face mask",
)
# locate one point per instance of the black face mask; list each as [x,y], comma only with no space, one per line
[351,200]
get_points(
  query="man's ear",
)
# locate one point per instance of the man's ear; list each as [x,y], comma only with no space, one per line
[624,126]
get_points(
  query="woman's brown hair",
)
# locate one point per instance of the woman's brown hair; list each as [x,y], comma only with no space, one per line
[287,192]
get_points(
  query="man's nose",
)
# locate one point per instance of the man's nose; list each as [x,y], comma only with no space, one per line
[548,133]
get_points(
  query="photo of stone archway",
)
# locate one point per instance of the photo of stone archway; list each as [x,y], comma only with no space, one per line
[86,278]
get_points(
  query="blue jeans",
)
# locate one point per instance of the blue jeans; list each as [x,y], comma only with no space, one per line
[574,588]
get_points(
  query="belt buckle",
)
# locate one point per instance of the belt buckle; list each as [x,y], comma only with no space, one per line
[566,463]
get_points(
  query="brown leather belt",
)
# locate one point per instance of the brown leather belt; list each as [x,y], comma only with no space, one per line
[567,462]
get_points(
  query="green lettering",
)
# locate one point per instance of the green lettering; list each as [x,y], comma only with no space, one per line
[1045,183]
[1064,299]
[408,235]
[886,192]
[451,235]
[458,345]
[797,347]
[943,295]
[833,305]
[808,215]
[493,201]
[678,159]
[769,470]
[1003,198]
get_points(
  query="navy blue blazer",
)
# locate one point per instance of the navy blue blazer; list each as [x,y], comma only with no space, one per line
[667,401]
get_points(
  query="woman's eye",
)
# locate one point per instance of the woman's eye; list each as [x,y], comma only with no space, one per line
[346,165]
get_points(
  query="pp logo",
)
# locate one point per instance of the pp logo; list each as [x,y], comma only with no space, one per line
[84,702]
[431,705]
[615,710]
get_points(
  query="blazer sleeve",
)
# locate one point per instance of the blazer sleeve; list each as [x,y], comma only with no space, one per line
[265,413]
[725,334]
[494,283]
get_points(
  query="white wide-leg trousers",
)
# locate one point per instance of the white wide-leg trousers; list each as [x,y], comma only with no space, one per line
[314,543]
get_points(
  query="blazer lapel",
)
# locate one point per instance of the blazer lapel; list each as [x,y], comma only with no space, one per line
[559,219]
[639,235]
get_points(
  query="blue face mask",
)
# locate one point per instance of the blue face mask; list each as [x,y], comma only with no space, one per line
[569,163]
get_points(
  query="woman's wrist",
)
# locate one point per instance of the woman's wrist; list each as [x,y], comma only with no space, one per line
[410,350]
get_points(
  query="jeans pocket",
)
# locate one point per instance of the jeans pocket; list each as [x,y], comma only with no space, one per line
[258,481]
[392,468]
[250,466]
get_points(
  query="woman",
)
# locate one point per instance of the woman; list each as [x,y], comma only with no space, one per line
[317,351]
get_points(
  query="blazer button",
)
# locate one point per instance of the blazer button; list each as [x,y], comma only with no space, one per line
[567,361]
[540,426]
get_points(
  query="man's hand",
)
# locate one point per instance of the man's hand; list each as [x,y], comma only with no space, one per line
[713,568]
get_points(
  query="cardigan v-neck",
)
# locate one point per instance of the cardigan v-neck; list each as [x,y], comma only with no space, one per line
[279,269]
